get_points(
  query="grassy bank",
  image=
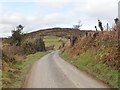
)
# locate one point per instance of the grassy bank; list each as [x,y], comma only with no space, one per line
[86,62]
[14,78]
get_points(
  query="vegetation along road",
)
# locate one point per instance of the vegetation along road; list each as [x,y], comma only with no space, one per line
[51,71]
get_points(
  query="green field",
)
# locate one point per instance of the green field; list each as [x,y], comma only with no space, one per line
[53,40]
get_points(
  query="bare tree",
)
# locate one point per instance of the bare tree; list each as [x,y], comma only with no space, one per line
[78,26]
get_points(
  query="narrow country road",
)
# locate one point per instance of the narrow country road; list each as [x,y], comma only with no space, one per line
[53,72]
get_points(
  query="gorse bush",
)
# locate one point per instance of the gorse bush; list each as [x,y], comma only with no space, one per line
[39,44]
[30,47]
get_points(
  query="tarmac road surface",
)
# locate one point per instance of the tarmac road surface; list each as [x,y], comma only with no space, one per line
[51,71]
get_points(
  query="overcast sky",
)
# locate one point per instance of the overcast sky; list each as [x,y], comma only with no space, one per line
[39,14]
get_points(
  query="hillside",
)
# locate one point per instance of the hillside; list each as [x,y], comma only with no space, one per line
[96,53]
[60,32]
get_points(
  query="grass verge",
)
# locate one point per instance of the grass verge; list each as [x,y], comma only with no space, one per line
[15,77]
[87,62]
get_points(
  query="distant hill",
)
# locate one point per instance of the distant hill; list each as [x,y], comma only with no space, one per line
[60,32]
